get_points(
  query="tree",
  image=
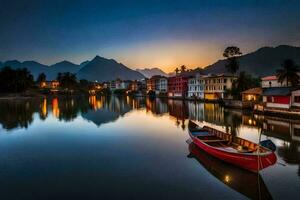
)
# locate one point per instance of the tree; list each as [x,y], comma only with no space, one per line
[41,78]
[243,82]
[176,70]
[288,73]
[182,68]
[67,80]
[231,53]
[15,80]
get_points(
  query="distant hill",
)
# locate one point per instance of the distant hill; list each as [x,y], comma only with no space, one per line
[149,72]
[61,67]
[264,61]
[102,69]
[34,67]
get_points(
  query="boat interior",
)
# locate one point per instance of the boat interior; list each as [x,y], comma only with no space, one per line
[228,142]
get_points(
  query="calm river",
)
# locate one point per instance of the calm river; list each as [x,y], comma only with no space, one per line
[135,148]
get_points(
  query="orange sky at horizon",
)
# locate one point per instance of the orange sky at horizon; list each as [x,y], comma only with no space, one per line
[167,55]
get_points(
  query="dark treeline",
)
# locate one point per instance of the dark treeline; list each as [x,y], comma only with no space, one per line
[21,80]
[15,80]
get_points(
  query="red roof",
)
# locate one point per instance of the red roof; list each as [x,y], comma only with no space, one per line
[269,78]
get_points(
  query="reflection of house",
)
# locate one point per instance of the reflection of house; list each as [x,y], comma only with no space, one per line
[252,94]
[216,86]
[196,87]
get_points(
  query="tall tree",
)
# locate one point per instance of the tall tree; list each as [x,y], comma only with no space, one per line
[68,80]
[231,53]
[288,73]
[41,78]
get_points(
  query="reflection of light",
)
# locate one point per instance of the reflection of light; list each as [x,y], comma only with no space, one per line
[44,108]
[55,108]
[250,121]
[227,179]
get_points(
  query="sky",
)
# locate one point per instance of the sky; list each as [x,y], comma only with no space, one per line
[140,33]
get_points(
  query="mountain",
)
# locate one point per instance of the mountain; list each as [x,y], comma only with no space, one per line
[264,61]
[61,67]
[34,67]
[102,69]
[149,72]
[84,63]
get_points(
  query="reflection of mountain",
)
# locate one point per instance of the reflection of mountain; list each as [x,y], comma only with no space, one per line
[106,109]
[247,183]
[101,116]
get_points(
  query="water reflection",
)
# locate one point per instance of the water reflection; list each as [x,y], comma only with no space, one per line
[247,183]
[100,110]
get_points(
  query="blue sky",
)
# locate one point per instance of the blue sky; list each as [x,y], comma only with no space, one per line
[140,33]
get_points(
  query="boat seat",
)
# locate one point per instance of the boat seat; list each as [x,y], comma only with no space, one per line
[214,140]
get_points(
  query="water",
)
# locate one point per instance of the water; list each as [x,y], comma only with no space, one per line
[135,148]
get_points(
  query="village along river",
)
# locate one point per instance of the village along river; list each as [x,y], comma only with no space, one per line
[135,148]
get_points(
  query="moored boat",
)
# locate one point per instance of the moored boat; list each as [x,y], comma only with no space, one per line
[231,149]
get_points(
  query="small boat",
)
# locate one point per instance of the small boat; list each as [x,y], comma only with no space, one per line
[237,151]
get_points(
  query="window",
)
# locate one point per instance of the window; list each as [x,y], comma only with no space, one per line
[225,80]
[270,83]
[224,87]
[297,132]
[297,99]
[269,99]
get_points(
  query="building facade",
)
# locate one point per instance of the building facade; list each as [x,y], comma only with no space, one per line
[158,84]
[196,87]
[178,86]
[217,85]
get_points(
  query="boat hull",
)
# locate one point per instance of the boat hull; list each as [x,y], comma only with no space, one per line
[251,162]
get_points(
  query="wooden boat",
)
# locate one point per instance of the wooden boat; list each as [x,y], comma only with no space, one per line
[234,150]
[245,182]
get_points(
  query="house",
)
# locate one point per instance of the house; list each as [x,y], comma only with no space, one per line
[216,86]
[253,94]
[161,85]
[281,97]
[53,85]
[196,87]
[178,85]
[272,81]
[158,84]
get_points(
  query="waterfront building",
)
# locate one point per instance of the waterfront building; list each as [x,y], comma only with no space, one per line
[196,87]
[272,81]
[158,84]
[54,84]
[216,86]
[253,94]
[178,85]
[281,97]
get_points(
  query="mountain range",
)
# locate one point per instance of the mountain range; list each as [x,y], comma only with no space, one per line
[262,62]
[99,68]
[102,69]
[149,72]
[265,61]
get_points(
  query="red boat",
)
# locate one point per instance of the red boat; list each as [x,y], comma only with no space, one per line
[237,151]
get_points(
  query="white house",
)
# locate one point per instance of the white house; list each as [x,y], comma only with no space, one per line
[196,87]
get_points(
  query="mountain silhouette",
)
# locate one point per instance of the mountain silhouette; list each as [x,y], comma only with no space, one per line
[102,69]
[264,61]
